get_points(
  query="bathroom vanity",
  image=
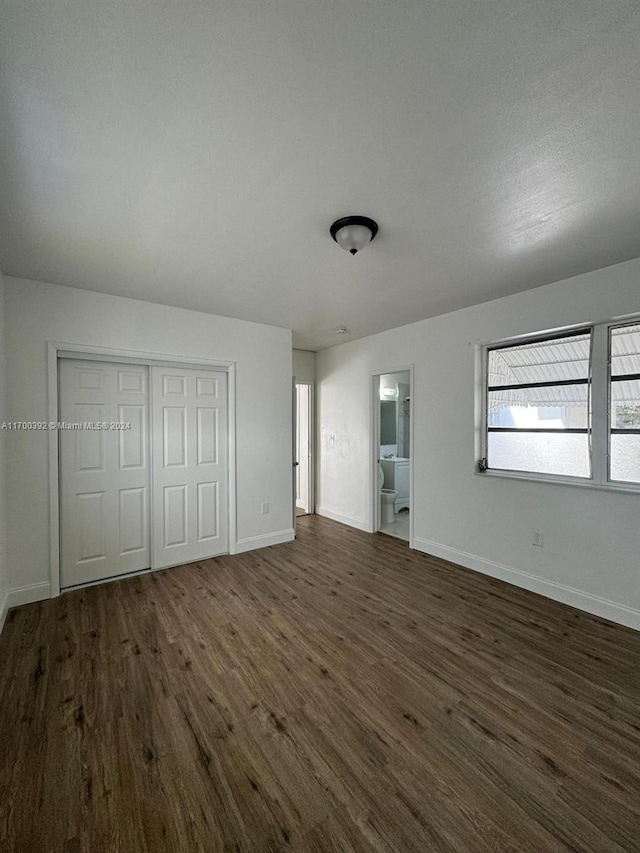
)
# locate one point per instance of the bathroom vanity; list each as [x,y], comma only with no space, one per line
[396,476]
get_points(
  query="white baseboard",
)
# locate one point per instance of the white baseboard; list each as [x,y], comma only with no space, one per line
[28,594]
[593,604]
[264,540]
[344,519]
[23,595]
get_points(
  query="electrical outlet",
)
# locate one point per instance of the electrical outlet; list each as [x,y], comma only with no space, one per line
[537,539]
[264,507]
[332,438]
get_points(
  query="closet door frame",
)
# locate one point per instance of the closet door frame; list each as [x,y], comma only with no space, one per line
[57,350]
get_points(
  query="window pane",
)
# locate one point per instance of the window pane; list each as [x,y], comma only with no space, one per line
[555,360]
[625,350]
[546,453]
[555,407]
[625,458]
[625,404]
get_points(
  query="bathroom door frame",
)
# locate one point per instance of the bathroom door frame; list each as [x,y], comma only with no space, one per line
[374,452]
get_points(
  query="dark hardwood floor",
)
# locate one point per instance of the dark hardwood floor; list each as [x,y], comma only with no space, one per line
[340,693]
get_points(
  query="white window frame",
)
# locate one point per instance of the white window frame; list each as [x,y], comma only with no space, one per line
[600,408]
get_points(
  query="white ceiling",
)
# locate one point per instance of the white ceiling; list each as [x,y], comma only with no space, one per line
[195,153]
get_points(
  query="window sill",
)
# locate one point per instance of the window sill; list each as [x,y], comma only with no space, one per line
[579,482]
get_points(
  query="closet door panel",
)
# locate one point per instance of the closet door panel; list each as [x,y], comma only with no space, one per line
[190,475]
[104,471]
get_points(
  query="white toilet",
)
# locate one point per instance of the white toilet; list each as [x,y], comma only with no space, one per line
[387,498]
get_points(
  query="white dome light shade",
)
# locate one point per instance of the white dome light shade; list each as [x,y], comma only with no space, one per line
[353,233]
[353,237]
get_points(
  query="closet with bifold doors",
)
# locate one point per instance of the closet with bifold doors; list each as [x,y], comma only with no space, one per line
[143,467]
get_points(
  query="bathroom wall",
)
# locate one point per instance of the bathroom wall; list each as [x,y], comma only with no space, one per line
[404,419]
[388,450]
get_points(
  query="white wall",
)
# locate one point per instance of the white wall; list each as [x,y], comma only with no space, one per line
[304,365]
[3,564]
[591,553]
[37,313]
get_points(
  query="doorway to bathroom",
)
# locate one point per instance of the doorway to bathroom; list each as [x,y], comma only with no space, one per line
[392,454]
[303,429]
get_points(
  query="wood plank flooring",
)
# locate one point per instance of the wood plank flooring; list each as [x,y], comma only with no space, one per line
[339,694]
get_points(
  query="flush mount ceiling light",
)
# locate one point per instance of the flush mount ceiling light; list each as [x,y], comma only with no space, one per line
[354,232]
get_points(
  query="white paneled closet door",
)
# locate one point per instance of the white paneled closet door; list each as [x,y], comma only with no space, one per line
[190,465]
[104,472]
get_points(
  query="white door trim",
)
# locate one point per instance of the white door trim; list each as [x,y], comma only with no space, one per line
[374,432]
[56,350]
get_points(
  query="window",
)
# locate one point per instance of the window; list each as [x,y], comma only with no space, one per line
[624,404]
[566,406]
[538,406]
